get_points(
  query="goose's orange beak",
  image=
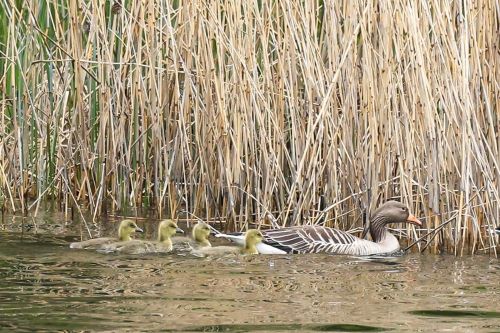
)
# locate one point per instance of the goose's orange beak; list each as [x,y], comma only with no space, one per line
[413,220]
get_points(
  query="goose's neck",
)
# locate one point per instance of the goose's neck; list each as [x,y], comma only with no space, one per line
[378,230]
[250,248]
[201,239]
[166,241]
[123,236]
[204,243]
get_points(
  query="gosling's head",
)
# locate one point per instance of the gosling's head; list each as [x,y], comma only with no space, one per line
[201,231]
[166,229]
[253,237]
[127,228]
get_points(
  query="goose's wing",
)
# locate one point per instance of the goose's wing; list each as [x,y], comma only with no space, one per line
[215,251]
[93,244]
[135,246]
[309,239]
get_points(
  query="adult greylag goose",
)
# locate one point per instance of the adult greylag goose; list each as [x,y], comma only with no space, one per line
[251,238]
[199,235]
[319,239]
[125,231]
[166,229]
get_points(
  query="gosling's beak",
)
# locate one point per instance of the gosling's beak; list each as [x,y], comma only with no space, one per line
[137,229]
[179,230]
[413,220]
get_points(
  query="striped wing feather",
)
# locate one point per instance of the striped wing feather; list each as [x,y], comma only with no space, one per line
[310,239]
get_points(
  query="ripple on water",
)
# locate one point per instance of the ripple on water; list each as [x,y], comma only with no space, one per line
[285,328]
[46,286]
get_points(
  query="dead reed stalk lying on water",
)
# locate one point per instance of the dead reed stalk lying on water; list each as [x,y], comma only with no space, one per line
[311,110]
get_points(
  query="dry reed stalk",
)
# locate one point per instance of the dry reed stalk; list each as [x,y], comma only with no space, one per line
[236,110]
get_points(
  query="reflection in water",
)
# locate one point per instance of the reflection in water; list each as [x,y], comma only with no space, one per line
[455,313]
[46,286]
[285,328]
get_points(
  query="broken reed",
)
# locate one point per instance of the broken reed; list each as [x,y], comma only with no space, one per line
[310,110]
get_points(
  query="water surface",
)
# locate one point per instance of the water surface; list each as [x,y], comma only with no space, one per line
[45,286]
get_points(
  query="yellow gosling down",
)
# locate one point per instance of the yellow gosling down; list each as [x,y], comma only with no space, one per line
[199,234]
[252,238]
[125,231]
[166,229]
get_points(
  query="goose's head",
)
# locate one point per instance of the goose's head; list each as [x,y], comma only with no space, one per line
[126,229]
[395,212]
[253,237]
[201,231]
[166,229]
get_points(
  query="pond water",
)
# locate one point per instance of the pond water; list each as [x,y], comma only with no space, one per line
[45,286]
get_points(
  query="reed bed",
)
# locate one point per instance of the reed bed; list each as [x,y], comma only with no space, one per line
[307,111]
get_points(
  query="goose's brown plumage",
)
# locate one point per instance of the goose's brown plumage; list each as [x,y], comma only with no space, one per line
[316,239]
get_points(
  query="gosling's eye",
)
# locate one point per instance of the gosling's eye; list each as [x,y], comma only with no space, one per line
[131,225]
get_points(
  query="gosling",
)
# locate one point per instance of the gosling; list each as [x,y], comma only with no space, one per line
[199,234]
[166,229]
[125,231]
[252,238]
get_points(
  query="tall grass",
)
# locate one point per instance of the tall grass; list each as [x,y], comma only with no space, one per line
[311,111]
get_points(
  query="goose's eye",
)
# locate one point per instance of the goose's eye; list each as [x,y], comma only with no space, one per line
[131,225]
